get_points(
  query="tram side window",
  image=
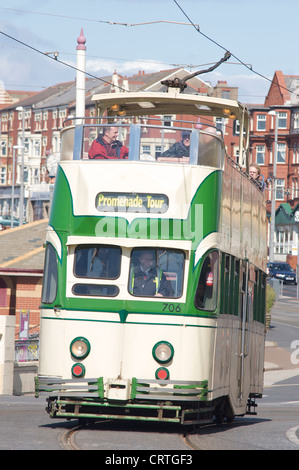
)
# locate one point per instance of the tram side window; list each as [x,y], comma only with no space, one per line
[156,272]
[49,290]
[206,292]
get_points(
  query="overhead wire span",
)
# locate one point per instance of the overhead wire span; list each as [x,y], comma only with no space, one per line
[45,54]
[249,67]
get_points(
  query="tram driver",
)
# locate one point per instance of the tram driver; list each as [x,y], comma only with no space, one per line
[106,146]
[148,280]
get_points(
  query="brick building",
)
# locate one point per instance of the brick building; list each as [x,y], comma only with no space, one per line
[282,98]
[21,271]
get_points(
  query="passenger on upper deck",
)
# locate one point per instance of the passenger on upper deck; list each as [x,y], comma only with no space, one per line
[255,174]
[179,149]
[106,146]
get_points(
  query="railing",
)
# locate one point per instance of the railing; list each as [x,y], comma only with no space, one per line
[26,350]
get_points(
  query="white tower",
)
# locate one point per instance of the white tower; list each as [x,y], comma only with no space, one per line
[80,79]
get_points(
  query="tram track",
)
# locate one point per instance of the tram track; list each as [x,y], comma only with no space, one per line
[67,439]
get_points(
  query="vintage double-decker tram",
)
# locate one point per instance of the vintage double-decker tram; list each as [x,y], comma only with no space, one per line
[153,303]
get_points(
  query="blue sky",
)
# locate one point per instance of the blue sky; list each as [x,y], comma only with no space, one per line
[262,33]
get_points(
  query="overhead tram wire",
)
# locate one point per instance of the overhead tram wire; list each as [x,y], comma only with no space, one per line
[114,23]
[249,67]
[58,60]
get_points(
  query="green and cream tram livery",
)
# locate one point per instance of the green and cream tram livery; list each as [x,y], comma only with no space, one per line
[153,302]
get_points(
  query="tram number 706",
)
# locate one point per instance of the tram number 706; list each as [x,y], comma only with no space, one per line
[171,307]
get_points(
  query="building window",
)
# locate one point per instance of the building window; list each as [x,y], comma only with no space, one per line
[282,120]
[167,121]
[296,120]
[26,145]
[281,153]
[45,120]
[146,149]
[2,175]
[236,127]
[35,175]
[38,121]
[261,122]
[62,116]
[36,148]
[260,155]
[54,116]
[158,151]
[26,174]
[3,148]
[294,192]
[280,183]
[220,124]
[55,143]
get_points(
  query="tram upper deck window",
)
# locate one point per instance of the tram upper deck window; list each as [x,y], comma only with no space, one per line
[187,146]
[150,142]
[156,272]
[106,142]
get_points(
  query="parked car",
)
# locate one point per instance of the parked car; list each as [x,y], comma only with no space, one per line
[282,271]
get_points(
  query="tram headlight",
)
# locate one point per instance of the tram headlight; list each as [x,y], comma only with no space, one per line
[80,348]
[163,352]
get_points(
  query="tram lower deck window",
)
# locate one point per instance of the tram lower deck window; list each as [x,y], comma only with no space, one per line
[207,288]
[97,261]
[95,290]
[50,282]
[156,272]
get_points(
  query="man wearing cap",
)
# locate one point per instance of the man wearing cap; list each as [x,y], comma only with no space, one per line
[179,149]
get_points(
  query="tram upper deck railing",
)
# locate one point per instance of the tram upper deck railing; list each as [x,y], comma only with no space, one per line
[147,140]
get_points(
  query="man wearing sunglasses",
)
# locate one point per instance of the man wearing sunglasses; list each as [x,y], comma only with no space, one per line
[179,149]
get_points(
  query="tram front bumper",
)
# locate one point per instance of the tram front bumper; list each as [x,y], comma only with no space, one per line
[122,389]
[136,399]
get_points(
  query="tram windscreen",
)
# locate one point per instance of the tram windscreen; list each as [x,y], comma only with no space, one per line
[156,272]
[97,261]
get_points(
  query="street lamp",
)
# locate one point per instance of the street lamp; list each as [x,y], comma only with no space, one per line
[21,206]
[273,195]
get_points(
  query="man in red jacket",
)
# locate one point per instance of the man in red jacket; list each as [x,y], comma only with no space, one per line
[106,146]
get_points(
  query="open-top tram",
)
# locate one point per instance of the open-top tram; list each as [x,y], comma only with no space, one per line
[153,302]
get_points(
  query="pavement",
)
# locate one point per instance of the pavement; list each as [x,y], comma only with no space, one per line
[277,358]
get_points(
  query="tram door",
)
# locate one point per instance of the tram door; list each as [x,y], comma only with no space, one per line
[246,312]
